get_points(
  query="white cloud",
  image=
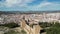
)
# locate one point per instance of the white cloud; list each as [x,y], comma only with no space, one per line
[10,3]
[44,4]
[23,5]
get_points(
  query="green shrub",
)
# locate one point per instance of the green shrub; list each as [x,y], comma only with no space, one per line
[45,24]
[23,32]
[11,32]
[55,29]
[10,25]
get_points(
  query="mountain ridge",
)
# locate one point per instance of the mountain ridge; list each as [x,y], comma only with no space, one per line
[27,12]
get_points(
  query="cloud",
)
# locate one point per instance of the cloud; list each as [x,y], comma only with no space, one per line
[23,5]
[40,5]
[45,5]
[11,3]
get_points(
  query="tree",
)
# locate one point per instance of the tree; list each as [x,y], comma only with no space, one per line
[55,29]
[10,25]
[45,24]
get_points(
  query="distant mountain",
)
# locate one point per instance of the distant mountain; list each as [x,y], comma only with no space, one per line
[27,12]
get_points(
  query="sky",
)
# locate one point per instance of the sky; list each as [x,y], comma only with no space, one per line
[29,5]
